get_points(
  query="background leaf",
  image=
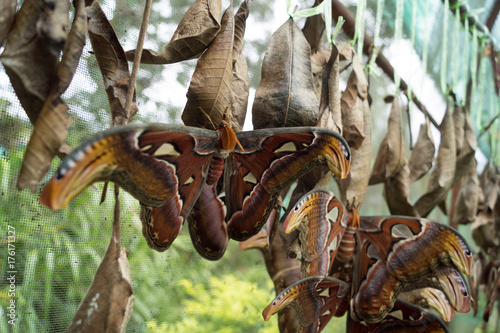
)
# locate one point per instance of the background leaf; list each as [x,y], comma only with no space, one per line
[285,96]
[209,92]
[195,32]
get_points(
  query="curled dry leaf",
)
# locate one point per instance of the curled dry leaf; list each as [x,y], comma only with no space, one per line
[112,63]
[352,100]
[7,13]
[353,187]
[330,115]
[459,116]
[108,303]
[51,127]
[334,96]
[196,30]
[466,154]
[319,64]
[466,205]
[483,230]
[53,23]
[423,153]
[209,94]
[72,49]
[23,46]
[240,20]
[396,157]
[240,83]
[441,177]
[391,154]
[314,31]
[397,192]
[285,96]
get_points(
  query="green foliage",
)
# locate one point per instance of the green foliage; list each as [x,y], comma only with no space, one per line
[226,303]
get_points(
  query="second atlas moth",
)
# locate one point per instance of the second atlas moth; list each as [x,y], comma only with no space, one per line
[175,172]
[387,262]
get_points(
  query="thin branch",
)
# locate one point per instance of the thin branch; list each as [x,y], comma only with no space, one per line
[116,218]
[137,57]
[487,127]
[338,9]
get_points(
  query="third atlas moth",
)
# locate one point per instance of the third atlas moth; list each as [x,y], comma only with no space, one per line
[390,273]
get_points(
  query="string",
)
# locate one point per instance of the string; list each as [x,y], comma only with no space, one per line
[444,48]
[398,33]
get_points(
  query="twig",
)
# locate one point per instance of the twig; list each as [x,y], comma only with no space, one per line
[487,127]
[116,219]
[137,57]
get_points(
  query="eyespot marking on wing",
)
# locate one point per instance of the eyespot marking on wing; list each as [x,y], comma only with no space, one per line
[167,149]
[189,180]
[288,147]
[401,231]
[333,214]
[398,314]
[145,148]
[250,178]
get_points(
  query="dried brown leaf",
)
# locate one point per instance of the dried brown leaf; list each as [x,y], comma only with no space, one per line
[334,95]
[112,63]
[466,154]
[423,153]
[7,13]
[53,23]
[397,192]
[196,30]
[467,200]
[319,60]
[314,31]
[240,19]
[352,101]
[72,49]
[32,83]
[483,230]
[396,157]
[346,52]
[441,177]
[330,115]
[108,303]
[51,127]
[379,166]
[391,154]
[285,96]
[319,64]
[209,94]
[459,116]
[353,187]
[352,122]
[240,85]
